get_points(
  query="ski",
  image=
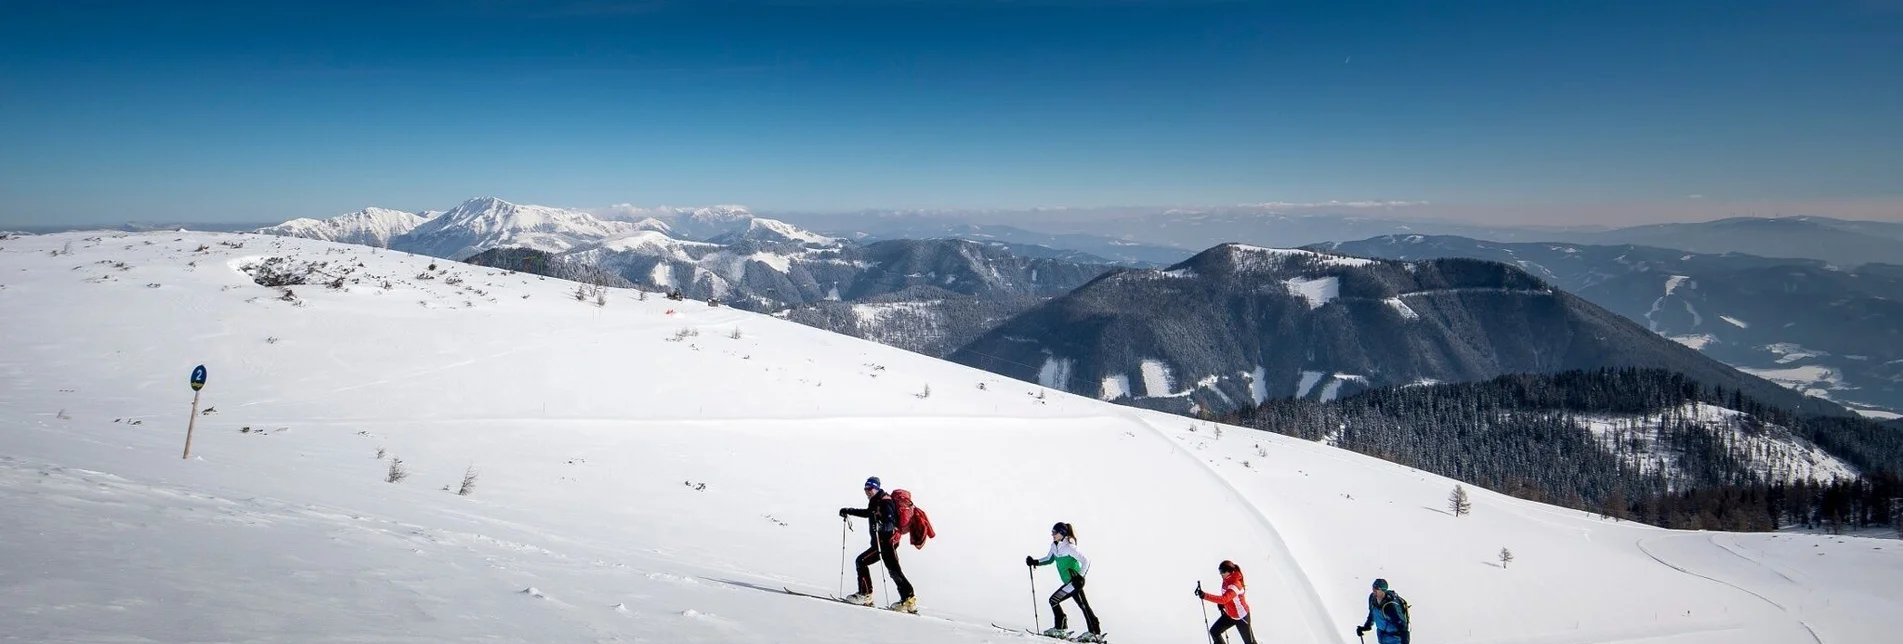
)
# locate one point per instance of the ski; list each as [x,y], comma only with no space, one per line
[834,598]
[1103,638]
[826,597]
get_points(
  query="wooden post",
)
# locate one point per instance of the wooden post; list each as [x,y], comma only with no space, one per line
[189,425]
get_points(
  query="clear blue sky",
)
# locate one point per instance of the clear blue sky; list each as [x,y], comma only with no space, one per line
[210,111]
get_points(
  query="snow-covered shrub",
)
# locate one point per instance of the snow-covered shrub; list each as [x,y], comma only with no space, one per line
[397,471]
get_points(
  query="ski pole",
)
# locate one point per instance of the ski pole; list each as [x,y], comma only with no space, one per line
[844,525]
[1037,618]
[1204,605]
[887,583]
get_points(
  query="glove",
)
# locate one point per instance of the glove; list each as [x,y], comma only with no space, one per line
[1361,631]
[1199,593]
[1030,561]
[842,512]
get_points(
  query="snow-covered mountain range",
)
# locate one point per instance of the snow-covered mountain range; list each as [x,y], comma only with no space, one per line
[367,227]
[484,223]
[656,470]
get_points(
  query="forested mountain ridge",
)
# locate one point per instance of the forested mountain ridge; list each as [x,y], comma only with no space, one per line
[1646,444]
[1237,325]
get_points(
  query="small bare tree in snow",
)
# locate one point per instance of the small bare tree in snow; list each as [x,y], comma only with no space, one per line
[397,471]
[1506,557]
[927,393]
[581,292]
[469,482]
[736,333]
[1458,503]
[380,451]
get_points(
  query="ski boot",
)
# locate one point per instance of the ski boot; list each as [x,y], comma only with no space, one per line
[861,599]
[907,605]
[1059,633]
[1094,638]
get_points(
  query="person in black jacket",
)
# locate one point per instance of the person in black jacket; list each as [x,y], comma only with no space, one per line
[883,515]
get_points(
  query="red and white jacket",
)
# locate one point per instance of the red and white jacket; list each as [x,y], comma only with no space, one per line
[1232,599]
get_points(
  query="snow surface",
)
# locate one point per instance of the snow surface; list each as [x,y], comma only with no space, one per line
[1697,320]
[1330,390]
[1407,313]
[1156,378]
[1697,341]
[1055,374]
[1309,379]
[663,276]
[593,429]
[1259,385]
[763,229]
[1789,352]
[1735,321]
[1259,253]
[649,243]
[1813,380]
[1672,283]
[1318,291]
[1115,386]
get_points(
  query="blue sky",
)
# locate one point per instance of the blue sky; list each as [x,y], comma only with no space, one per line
[223,111]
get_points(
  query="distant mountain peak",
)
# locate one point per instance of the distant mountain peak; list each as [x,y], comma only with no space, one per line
[368,227]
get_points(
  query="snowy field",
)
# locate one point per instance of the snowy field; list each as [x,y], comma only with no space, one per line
[656,471]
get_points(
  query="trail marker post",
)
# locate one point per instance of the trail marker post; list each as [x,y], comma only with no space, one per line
[198,383]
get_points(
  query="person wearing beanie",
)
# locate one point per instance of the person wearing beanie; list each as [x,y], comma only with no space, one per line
[1072,565]
[882,513]
[1387,615]
[1235,607]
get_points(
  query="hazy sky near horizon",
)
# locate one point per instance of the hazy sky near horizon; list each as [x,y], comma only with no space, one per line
[1620,111]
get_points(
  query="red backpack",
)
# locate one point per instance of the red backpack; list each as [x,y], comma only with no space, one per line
[912,520]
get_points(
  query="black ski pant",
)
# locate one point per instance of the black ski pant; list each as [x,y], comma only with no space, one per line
[882,550]
[1073,590]
[1225,622]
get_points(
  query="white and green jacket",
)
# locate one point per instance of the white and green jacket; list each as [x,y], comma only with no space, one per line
[1070,562]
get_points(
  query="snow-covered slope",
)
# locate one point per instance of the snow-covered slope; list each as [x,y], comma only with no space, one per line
[367,227]
[1782,457]
[657,471]
[702,224]
[774,231]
